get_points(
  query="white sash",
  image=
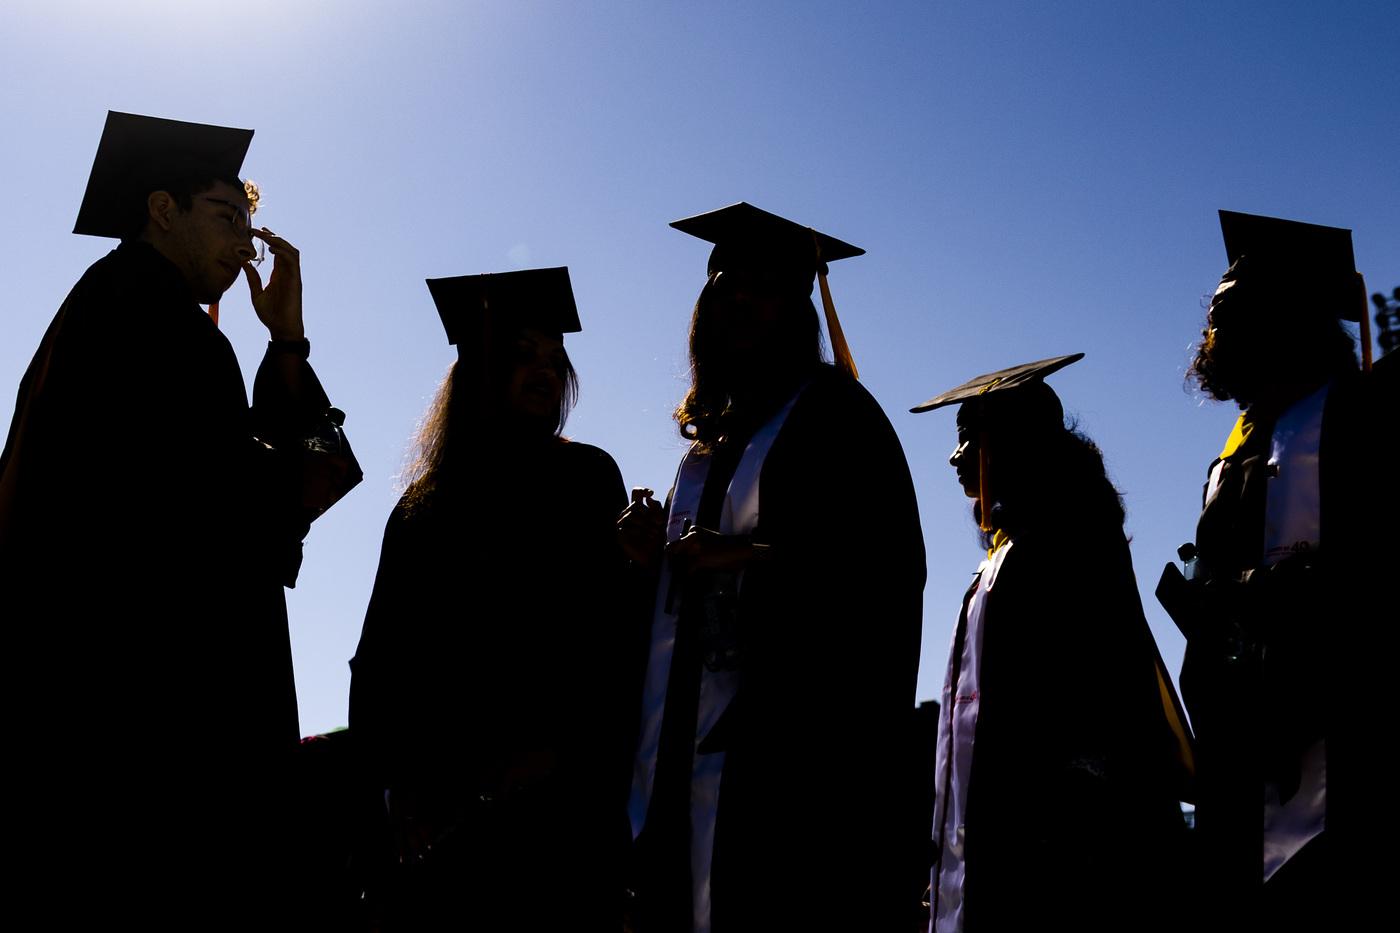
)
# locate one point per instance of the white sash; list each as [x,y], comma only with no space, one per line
[957,732]
[1292,524]
[1293,510]
[738,516]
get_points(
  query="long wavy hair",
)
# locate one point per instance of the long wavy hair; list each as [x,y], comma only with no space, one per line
[1044,472]
[705,411]
[467,402]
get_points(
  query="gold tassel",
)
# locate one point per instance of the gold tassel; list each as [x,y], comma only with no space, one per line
[1365,327]
[984,492]
[840,352]
[1171,707]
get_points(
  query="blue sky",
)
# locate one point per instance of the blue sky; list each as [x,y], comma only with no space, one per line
[1029,179]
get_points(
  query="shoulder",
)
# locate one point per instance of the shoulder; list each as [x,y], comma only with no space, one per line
[591,468]
[1383,381]
[83,309]
[1070,540]
[838,413]
[577,453]
[590,460]
[840,394]
[1361,405]
[134,297]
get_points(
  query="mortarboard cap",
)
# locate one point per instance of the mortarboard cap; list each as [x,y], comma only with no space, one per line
[1000,381]
[529,297]
[139,154]
[751,240]
[748,238]
[1037,401]
[1294,250]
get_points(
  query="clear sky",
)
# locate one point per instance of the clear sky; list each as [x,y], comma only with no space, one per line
[1029,179]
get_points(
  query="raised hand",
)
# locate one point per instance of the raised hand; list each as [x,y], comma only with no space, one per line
[278,303]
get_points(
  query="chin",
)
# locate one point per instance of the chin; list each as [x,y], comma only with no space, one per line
[208,293]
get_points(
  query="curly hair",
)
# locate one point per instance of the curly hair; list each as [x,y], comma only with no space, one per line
[1276,327]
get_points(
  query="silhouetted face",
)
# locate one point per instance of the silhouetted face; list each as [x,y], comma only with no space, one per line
[211,241]
[965,456]
[535,380]
[1232,334]
[749,316]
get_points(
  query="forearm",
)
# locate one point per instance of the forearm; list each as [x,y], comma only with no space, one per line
[287,397]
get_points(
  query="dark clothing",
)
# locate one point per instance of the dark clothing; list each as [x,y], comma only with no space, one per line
[816,787]
[496,643]
[1073,817]
[148,522]
[1284,655]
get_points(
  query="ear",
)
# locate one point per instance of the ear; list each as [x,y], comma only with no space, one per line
[161,209]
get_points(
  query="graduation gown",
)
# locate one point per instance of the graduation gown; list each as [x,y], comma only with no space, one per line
[496,639]
[1072,817]
[1295,656]
[815,794]
[149,519]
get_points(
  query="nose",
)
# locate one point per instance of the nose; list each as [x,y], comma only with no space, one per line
[246,251]
[958,453]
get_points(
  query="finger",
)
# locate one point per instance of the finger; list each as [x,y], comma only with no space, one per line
[284,257]
[641,493]
[281,248]
[275,242]
[255,285]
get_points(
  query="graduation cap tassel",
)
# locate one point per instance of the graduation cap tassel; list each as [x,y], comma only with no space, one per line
[840,351]
[1183,746]
[1365,326]
[984,491]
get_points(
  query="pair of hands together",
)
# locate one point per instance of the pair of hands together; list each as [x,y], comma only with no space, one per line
[641,531]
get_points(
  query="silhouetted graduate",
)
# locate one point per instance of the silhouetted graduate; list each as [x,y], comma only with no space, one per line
[491,683]
[772,780]
[1287,660]
[149,519]
[1062,752]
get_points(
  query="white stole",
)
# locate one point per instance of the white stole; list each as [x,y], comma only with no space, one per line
[1292,524]
[957,732]
[738,516]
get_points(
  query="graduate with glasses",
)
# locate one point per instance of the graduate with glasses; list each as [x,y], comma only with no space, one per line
[149,520]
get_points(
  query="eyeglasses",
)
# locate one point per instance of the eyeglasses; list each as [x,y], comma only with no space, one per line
[242,222]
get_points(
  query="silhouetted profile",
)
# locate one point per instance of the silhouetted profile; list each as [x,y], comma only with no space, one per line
[1062,751]
[149,519]
[491,684]
[772,780]
[1286,666]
